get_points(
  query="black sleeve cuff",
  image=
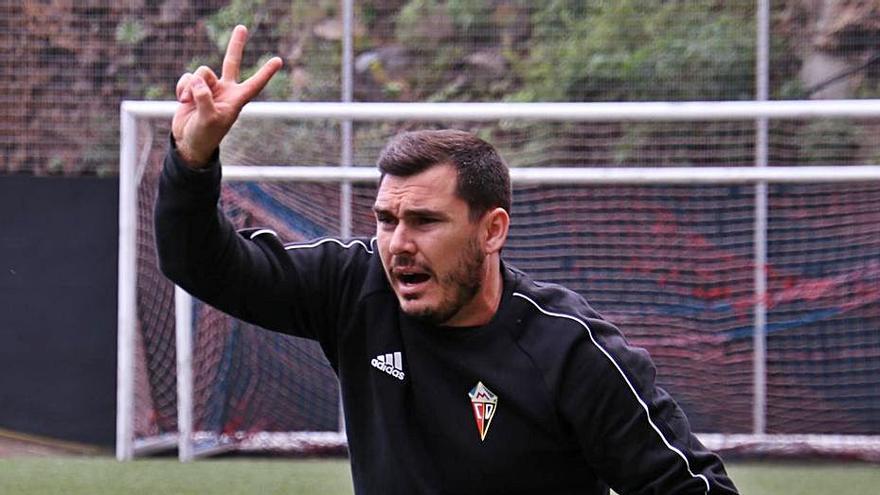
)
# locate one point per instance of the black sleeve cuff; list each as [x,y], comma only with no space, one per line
[178,172]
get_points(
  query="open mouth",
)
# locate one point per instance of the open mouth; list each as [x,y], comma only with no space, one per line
[413,278]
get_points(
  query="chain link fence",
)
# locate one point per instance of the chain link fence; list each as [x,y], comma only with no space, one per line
[67,65]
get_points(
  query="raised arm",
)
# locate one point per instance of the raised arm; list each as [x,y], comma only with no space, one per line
[248,276]
[210,105]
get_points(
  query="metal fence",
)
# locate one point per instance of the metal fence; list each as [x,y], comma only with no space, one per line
[66,66]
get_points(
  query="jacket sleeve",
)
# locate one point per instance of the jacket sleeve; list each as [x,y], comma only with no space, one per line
[633,434]
[249,275]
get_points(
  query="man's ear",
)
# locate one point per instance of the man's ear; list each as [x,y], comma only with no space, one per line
[495,224]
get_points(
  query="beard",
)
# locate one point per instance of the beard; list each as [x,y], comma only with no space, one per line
[465,282]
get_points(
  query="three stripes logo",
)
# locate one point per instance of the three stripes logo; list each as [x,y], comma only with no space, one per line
[391,363]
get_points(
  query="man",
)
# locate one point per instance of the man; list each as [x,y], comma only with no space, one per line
[459,374]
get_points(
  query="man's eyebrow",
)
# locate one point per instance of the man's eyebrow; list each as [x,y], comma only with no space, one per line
[425,212]
[412,212]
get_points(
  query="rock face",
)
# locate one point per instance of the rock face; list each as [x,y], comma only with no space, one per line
[839,40]
[817,70]
[67,64]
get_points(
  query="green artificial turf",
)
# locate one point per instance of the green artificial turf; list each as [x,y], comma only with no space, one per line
[99,476]
[231,476]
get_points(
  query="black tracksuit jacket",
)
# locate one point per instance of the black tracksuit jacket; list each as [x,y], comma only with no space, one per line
[566,405]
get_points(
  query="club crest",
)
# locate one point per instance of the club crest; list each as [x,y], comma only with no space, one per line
[484,404]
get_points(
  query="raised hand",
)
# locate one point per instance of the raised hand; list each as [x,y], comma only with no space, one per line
[209,106]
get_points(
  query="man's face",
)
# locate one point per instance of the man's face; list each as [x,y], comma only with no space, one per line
[430,249]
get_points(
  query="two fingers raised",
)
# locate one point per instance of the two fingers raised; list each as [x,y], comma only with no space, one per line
[232,65]
[210,105]
[230,73]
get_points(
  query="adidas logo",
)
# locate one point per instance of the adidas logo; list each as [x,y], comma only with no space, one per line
[391,363]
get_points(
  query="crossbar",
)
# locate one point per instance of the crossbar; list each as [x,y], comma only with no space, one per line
[611,175]
[557,112]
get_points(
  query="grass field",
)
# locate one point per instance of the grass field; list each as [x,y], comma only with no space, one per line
[99,476]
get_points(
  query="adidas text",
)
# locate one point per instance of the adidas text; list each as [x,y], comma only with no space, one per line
[389,363]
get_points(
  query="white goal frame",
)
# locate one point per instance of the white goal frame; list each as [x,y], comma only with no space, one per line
[131,112]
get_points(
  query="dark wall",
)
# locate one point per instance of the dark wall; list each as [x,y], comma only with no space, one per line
[58,265]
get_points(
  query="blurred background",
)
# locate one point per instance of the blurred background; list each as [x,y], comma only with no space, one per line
[671,265]
[67,65]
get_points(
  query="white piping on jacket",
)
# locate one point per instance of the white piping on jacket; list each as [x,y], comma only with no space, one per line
[625,379]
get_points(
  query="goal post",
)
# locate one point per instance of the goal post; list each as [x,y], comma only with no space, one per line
[706,296]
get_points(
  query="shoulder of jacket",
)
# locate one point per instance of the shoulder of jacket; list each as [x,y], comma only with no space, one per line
[345,247]
[554,300]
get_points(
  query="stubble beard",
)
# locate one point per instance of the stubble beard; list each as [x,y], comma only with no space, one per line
[466,281]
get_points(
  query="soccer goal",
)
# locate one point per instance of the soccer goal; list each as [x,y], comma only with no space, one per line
[736,241]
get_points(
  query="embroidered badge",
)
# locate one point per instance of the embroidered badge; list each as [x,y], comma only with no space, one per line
[484,403]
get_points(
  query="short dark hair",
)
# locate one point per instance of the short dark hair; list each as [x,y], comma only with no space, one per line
[483,177]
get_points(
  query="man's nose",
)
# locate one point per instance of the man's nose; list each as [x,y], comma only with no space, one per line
[401,241]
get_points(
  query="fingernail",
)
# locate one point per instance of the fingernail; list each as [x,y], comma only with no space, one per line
[198,82]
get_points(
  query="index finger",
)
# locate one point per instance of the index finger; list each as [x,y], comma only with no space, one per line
[232,59]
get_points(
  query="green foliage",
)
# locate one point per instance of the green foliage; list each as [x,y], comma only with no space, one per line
[251,13]
[248,12]
[304,13]
[442,34]
[440,22]
[791,89]
[426,27]
[318,59]
[637,50]
[829,141]
[130,32]
[209,60]
[101,156]
[417,19]
[369,14]
[868,88]
[55,166]
[273,142]
[468,14]
[322,65]
[157,92]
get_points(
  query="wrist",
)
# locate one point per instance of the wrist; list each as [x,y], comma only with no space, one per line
[191,158]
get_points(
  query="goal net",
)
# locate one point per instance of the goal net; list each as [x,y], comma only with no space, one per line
[756,289]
